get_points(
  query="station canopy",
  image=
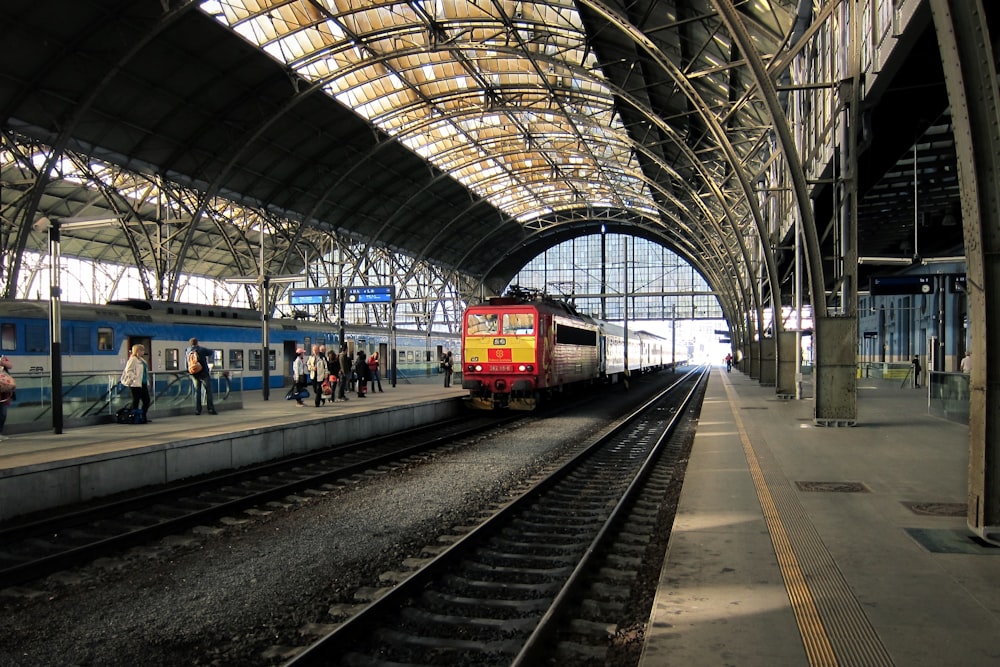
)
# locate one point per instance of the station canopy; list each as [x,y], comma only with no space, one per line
[471,135]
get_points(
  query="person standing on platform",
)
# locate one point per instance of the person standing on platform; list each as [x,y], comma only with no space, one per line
[344,372]
[966,367]
[332,365]
[318,373]
[136,378]
[300,371]
[729,362]
[916,371]
[364,374]
[202,376]
[447,367]
[7,391]
[373,364]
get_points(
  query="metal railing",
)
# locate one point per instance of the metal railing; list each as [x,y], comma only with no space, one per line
[948,396]
[94,398]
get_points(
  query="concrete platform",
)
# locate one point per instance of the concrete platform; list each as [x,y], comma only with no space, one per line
[803,545]
[40,471]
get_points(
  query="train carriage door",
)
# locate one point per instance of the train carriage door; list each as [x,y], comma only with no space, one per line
[147,344]
[383,360]
[288,358]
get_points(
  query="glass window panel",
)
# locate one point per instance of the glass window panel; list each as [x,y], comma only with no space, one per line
[171,359]
[481,324]
[105,338]
[519,324]
[8,337]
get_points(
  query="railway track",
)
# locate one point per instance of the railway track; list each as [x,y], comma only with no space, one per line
[514,589]
[30,551]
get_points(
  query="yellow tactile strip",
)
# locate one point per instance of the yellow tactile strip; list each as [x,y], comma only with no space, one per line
[834,628]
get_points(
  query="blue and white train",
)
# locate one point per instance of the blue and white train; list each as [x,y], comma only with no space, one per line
[96,339]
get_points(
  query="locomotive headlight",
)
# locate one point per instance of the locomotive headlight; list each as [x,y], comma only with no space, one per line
[474,368]
[526,368]
[522,368]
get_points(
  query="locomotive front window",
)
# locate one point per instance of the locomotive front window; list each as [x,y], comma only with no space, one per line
[482,324]
[519,324]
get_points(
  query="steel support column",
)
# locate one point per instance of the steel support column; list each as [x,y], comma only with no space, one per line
[788,364]
[835,381]
[768,362]
[970,73]
[753,359]
[836,404]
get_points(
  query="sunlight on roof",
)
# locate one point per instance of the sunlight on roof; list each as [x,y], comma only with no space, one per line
[506,97]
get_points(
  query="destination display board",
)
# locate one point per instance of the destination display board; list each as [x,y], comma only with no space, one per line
[902,284]
[374,294]
[302,296]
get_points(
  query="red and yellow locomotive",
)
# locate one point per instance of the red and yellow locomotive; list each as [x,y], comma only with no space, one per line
[514,351]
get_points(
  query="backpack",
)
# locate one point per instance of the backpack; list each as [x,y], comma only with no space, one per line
[129,416]
[194,366]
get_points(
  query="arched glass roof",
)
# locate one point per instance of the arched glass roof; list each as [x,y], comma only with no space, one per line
[490,93]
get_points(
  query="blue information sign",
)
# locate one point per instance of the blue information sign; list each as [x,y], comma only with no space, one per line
[379,294]
[298,296]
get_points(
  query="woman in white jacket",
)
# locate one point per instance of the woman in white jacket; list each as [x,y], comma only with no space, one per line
[136,378]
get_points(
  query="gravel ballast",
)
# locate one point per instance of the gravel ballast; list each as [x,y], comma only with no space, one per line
[242,591]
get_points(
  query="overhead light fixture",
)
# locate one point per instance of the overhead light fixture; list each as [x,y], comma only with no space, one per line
[886,260]
[44,224]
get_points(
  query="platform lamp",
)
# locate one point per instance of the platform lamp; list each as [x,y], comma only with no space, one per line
[54,227]
[264,283]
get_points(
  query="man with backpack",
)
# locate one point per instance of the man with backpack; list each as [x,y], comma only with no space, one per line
[197,360]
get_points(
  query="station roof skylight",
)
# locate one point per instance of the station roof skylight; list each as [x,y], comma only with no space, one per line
[504,96]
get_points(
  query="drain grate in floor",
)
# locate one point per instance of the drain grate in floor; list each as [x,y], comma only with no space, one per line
[937,509]
[833,487]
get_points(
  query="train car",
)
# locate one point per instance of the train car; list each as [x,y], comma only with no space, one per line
[96,340]
[517,351]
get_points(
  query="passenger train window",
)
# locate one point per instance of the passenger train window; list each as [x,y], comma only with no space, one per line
[171,359]
[236,360]
[105,339]
[519,324]
[79,340]
[255,360]
[36,337]
[482,324]
[218,359]
[8,337]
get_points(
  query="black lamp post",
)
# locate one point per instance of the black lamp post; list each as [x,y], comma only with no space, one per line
[54,227]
